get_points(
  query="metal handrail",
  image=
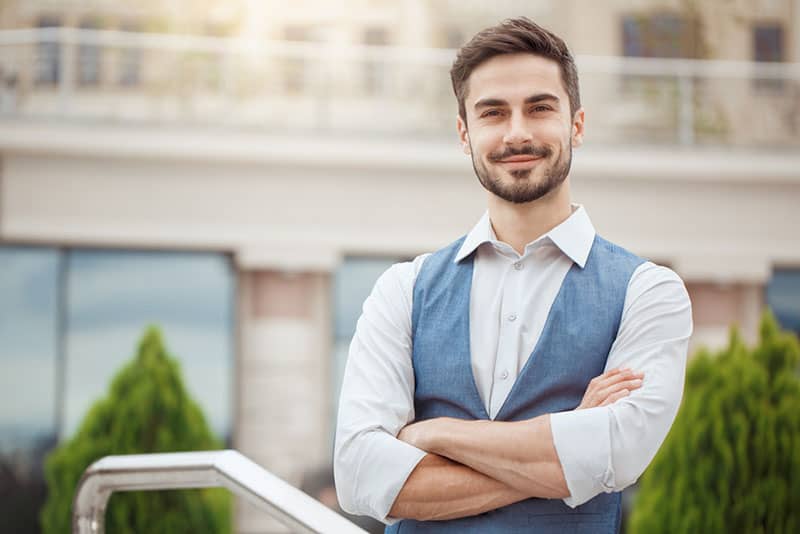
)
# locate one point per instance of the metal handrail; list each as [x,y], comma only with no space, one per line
[184,470]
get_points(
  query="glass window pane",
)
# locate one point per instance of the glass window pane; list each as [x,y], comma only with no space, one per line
[783,297]
[28,311]
[48,55]
[28,347]
[659,35]
[115,295]
[768,43]
[352,285]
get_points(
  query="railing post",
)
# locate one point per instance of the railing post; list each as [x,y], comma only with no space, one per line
[91,519]
[66,65]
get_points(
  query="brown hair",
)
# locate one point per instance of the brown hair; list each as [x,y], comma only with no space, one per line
[513,36]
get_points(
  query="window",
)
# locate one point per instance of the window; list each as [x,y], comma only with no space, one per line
[768,43]
[89,58]
[652,104]
[70,319]
[115,295]
[28,362]
[48,55]
[783,298]
[662,35]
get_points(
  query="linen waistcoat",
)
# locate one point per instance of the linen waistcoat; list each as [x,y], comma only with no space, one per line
[573,347]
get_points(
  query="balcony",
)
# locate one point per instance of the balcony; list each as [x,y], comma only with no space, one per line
[84,76]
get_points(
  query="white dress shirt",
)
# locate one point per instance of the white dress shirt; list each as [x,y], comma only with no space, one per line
[600,449]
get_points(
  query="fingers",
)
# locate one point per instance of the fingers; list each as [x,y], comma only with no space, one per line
[611,386]
[623,385]
[614,397]
[614,376]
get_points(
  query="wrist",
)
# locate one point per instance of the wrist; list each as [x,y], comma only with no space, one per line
[441,433]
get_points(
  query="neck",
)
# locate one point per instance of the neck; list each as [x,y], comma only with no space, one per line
[520,224]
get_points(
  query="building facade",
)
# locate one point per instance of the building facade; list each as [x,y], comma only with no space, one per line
[313,145]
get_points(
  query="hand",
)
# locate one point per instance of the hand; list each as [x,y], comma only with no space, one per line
[610,387]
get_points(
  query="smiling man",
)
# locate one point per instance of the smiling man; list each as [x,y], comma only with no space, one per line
[490,385]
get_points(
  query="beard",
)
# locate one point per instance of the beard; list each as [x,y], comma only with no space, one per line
[522,189]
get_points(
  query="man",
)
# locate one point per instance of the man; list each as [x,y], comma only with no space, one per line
[489,384]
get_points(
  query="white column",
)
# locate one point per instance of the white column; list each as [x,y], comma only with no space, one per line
[282,419]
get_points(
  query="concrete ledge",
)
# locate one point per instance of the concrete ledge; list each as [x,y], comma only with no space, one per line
[153,142]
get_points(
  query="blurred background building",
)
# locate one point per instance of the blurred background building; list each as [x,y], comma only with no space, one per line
[241,171]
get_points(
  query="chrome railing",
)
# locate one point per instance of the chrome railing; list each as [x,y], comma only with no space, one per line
[184,470]
[280,86]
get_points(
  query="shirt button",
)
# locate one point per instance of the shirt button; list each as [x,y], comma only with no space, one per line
[518,266]
[504,375]
[512,317]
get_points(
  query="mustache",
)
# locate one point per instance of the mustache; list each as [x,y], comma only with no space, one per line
[528,150]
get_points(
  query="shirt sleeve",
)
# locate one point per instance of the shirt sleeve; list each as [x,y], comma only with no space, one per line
[606,449]
[377,400]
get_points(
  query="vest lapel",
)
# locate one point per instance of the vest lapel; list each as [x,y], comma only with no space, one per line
[531,361]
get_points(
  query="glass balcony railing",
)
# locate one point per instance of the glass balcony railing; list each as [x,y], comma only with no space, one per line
[282,87]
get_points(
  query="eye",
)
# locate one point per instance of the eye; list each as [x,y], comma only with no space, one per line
[541,108]
[491,113]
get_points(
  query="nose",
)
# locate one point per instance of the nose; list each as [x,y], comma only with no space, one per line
[518,132]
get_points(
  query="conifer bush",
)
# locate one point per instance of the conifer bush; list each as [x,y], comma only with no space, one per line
[147,410]
[731,463]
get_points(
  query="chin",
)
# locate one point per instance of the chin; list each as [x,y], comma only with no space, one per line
[521,174]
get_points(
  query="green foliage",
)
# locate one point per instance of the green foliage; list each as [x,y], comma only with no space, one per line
[147,410]
[731,463]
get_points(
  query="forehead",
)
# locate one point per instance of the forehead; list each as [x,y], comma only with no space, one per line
[513,77]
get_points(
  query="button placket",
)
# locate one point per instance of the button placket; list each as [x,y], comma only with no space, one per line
[507,346]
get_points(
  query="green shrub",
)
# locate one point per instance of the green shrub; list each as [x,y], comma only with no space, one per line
[731,463]
[147,410]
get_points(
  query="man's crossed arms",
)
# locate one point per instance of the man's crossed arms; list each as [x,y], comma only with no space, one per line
[476,466]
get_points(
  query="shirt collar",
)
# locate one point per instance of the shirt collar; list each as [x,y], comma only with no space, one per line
[574,236]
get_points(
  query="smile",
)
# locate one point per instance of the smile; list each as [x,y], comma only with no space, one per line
[518,162]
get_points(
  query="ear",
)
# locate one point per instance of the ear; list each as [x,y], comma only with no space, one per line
[577,128]
[463,135]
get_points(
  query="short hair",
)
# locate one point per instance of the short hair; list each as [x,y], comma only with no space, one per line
[514,36]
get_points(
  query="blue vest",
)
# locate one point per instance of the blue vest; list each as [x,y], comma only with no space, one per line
[572,349]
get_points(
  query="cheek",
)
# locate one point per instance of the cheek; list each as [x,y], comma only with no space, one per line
[485,142]
[555,131]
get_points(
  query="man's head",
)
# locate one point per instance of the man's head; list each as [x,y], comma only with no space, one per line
[519,109]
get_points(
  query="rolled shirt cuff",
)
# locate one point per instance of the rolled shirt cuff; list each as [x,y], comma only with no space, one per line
[583,445]
[384,470]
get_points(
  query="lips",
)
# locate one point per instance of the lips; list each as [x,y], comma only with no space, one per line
[518,159]
[518,163]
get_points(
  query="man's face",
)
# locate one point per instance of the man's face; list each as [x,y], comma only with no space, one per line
[519,130]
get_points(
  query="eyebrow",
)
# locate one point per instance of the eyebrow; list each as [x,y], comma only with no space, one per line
[533,99]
